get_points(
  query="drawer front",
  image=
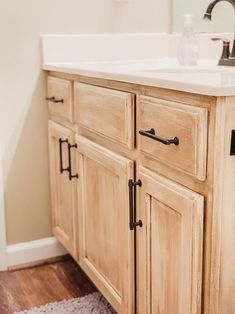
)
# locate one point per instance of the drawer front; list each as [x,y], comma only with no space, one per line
[60,98]
[177,122]
[105,111]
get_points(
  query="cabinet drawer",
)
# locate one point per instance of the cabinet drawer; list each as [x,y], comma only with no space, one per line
[105,111]
[172,120]
[60,98]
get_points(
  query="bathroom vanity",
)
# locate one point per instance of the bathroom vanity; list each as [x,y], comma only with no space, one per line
[142,172]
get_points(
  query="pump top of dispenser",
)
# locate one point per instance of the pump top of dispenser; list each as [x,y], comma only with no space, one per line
[188,19]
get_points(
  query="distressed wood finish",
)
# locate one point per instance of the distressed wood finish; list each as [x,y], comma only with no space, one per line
[63,196]
[161,93]
[170,120]
[60,89]
[206,169]
[222,272]
[105,111]
[106,243]
[169,259]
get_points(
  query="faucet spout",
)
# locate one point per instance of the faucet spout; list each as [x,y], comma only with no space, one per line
[211,6]
[208,15]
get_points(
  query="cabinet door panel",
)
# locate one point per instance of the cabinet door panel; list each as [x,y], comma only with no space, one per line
[106,243]
[169,247]
[63,200]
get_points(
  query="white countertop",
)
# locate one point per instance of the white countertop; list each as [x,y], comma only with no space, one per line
[206,78]
[202,79]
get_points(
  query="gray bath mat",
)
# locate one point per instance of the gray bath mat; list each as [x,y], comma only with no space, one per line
[93,303]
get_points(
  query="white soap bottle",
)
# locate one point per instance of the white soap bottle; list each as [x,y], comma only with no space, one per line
[188,53]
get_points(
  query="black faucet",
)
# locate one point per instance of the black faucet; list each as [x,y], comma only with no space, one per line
[226,58]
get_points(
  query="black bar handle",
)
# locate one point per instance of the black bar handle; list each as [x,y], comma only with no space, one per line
[61,155]
[71,176]
[53,99]
[151,134]
[131,205]
[132,210]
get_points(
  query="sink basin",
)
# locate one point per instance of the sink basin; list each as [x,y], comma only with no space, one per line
[188,70]
[156,67]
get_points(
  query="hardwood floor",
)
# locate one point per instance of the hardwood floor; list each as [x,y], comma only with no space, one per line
[26,288]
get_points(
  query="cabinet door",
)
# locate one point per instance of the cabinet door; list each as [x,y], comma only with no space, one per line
[63,191]
[106,243]
[169,247]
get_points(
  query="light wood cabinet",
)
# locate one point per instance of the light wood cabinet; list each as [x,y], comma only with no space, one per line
[164,243]
[63,190]
[169,246]
[106,248]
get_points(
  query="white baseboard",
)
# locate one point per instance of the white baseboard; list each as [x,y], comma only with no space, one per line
[34,251]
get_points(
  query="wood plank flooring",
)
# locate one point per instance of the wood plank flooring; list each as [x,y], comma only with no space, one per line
[26,288]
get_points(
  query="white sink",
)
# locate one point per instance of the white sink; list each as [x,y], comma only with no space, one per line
[188,70]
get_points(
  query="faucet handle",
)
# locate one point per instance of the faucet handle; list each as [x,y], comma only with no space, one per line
[226,47]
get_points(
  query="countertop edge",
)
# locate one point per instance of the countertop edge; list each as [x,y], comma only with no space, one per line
[143,80]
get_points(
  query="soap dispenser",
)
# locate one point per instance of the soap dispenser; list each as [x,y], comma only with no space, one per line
[188,53]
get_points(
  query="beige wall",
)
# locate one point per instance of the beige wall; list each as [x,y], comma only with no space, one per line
[23,112]
[141,16]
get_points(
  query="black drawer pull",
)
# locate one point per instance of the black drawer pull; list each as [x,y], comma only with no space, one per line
[132,206]
[53,99]
[71,176]
[151,134]
[61,155]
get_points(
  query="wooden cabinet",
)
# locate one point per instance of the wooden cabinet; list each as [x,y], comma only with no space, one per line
[106,248]
[180,260]
[63,190]
[169,247]
[156,265]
